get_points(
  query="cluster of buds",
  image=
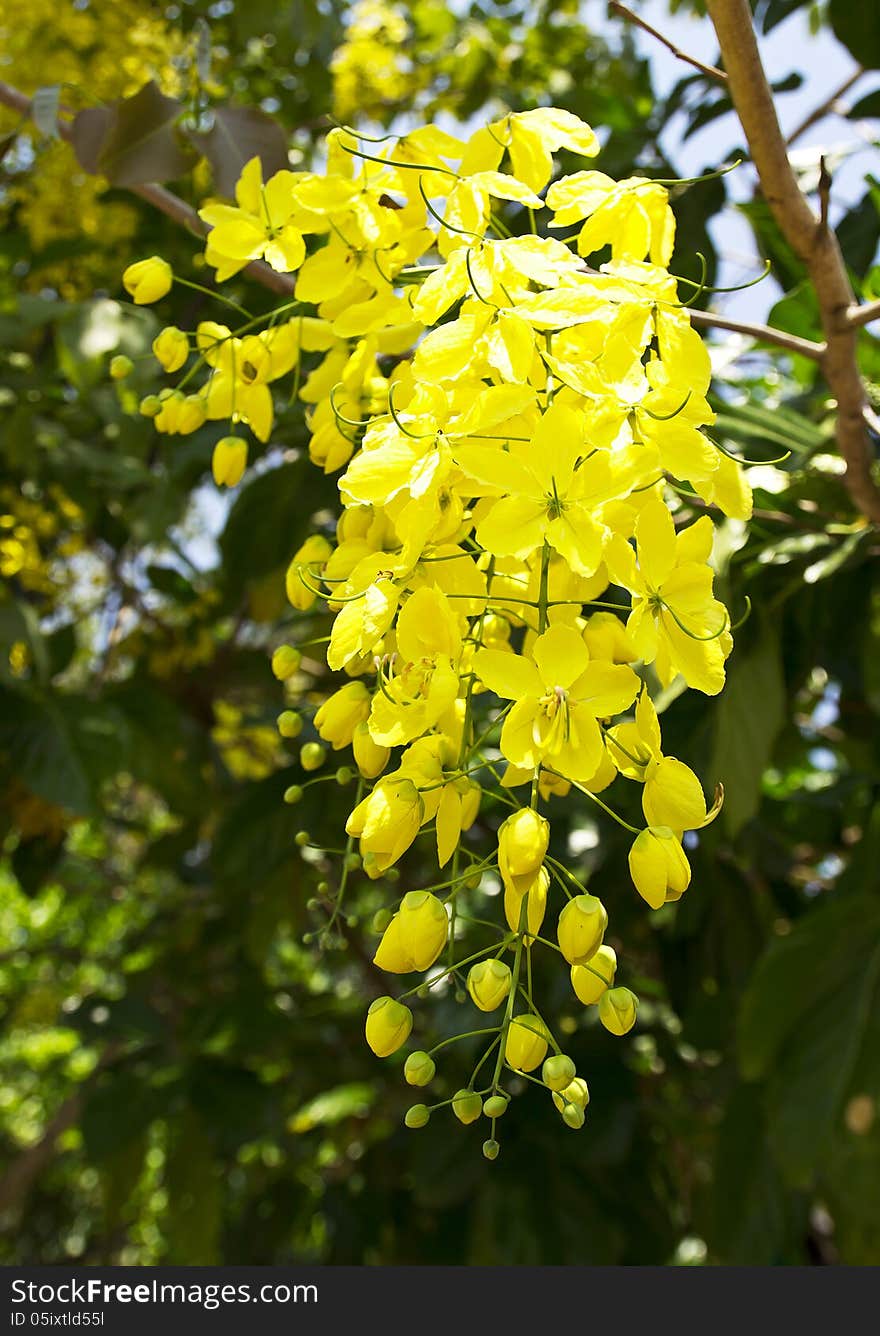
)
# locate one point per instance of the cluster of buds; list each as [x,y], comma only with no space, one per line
[510,428]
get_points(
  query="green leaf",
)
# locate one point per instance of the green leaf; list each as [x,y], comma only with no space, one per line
[805,1027]
[750,714]
[858,28]
[748,1202]
[268,522]
[237,135]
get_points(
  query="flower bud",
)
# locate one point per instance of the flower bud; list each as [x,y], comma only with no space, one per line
[581,927]
[417,1116]
[606,637]
[467,1106]
[526,1045]
[344,776]
[147,280]
[229,461]
[590,981]
[577,1092]
[558,1072]
[573,1116]
[312,755]
[387,821]
[488,983]
[371,759]
[617,1010]
[536,894]
[658,866]
[293,794]
[290,724]
[388,1026]
[415,936]
[495,1106]
[419,1068]
[189,415]
[491,1150]
[150,406]
[120,366]
[522,844]
[310,556]
[171,348]
[341,713]
[285,662]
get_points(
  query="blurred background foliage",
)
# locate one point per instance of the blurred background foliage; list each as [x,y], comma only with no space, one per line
[181,1080]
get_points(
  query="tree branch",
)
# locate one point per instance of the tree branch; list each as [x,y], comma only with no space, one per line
[763,333]
[815,245]
[863,315]
[712,70]
[825,108]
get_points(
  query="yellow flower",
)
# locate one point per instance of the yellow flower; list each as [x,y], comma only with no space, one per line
[658,866]
[339,716]
[672,794]
[148,280]
[534,888]
[386,821]
[559,697]
[261,227]
[530,137]
[589,981]
[675,619]
[415,936]
[488,983]
[526,1045]
[388,1026]
[581,928]
[229,461]
[551,485]
[632,215]
[424,681]
[576,1092]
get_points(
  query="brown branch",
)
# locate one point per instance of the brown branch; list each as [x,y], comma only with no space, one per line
[763,333]
[825,108]
[863,315]
[163,200]
[815,245]
[712,70]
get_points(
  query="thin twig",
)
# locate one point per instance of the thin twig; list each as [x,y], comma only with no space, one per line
[816,246]
[824,193]
[826,108]
[712,70]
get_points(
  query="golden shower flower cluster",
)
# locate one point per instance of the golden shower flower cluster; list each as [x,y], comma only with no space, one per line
[506,575]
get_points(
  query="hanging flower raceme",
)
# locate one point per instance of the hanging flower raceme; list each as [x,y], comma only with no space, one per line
[510,573]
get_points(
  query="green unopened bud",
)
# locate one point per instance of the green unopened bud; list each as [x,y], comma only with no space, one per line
[617,1010]
[573,1116]
[121,366]
[417,1116]
[290,724]
[495,1106]
[467,1106]
[293,794]
[576,1093]
[419,1068]
[381,919]
[558,1072]
[491,1150]
[302,838]
[344,775]
[312,755]
[150,406]
[285,662]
